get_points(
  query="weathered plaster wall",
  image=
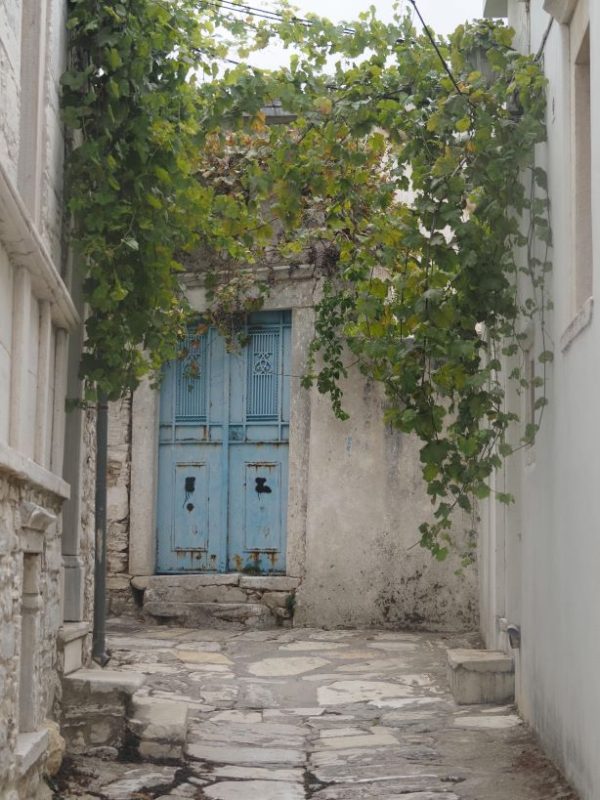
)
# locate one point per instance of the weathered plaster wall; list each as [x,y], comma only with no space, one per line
[540,559]
[356,500]
[366,500]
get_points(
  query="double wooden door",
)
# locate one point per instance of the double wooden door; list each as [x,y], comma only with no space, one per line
[223,451]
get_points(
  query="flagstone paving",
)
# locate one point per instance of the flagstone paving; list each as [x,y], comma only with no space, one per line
[291,714]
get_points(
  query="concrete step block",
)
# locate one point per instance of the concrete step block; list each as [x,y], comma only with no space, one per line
[71,640]
[102,682]
[95,707]
[481,676]
[160,727]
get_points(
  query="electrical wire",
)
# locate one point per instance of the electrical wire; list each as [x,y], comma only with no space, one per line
[262,13]
[435,46]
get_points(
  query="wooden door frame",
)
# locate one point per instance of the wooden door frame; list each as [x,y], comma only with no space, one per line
[296,296]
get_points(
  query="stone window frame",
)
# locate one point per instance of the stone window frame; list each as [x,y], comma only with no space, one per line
[32,736]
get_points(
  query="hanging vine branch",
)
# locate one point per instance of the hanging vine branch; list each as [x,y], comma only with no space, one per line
[405,164]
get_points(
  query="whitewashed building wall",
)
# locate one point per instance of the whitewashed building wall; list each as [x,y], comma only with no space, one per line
[37,313]
[540,557]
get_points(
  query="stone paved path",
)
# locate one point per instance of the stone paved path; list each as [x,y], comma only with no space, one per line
[302,713]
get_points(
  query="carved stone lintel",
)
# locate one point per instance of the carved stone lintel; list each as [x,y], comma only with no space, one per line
[35,517]
[561,10]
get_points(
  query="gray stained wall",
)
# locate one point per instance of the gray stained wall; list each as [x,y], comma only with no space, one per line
[356,499]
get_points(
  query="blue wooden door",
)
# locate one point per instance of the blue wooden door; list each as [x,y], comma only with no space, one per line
[223,451]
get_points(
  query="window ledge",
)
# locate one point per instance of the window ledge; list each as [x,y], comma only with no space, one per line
[579,323]
[30,748]
[25,248]
[24,469]
[561,10]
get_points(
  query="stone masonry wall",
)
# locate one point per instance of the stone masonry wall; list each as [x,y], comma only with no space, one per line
[10,630]
[88,519]
[46,684]
[119,475]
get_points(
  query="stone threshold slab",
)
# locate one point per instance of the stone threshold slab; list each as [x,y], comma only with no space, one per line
[272,583]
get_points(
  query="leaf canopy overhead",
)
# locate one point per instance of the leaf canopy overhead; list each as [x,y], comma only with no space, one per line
[407,161]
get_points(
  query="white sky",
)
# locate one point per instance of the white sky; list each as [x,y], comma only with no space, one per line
[441,15]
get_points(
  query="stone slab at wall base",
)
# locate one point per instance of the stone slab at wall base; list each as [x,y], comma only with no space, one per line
[71,644]
[247,601]
[96,705]
[481,676]
[31,753]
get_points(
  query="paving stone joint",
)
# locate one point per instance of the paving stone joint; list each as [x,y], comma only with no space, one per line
[293,714]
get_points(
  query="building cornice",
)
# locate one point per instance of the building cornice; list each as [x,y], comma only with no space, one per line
[19,467]
[495,8]
[561,10]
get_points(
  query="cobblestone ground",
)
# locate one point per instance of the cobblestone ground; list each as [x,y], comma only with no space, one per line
[304,713]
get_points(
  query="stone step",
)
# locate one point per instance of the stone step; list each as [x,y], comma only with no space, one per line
[481,676]
[95,708]
[159,727]
[219,600]
[211,615]
[195,594]
[256,583]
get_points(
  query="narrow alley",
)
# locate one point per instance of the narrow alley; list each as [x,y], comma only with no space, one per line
[289,714]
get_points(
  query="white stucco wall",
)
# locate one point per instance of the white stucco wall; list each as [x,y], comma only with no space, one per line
[36,314]
[540,559]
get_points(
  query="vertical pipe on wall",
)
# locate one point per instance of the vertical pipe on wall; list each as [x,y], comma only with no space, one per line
[99,653]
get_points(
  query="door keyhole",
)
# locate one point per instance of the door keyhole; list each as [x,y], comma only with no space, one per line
[189,489]
[261,486]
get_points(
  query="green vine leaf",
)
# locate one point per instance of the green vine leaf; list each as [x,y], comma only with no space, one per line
[401,189]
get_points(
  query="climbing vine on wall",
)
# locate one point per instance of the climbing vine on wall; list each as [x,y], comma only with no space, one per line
[403,173]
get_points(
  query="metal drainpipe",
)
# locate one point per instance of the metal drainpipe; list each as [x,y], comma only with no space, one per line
[99,653]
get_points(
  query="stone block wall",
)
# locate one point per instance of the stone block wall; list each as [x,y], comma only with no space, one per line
[23,709]
[119,478]
[87,530]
